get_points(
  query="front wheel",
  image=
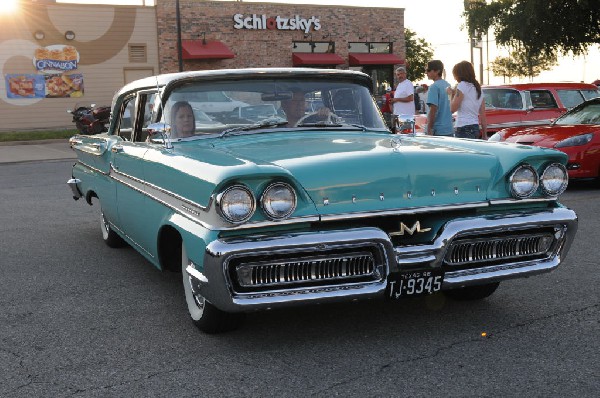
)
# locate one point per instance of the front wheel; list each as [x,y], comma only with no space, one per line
[206,316]
[472,292]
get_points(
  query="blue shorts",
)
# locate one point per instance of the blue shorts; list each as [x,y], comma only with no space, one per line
[469,131]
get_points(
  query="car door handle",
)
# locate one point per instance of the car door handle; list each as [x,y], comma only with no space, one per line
[117,149]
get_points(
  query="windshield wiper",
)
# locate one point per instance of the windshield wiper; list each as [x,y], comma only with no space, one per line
[259,125]
[358,126]
[325,124]
[319,124]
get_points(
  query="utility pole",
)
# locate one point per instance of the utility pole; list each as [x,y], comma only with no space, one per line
[475,39]
[179,46]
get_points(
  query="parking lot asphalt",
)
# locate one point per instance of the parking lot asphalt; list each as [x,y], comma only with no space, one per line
[28,151]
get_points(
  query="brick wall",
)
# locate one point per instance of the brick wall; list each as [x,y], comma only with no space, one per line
[270,48]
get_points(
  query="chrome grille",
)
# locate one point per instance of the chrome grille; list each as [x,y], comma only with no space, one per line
[498,248]
[300,271]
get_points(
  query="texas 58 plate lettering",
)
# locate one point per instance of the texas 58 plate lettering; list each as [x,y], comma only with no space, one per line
[414,283]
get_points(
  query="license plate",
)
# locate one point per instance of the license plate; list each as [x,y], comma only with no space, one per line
[415,283]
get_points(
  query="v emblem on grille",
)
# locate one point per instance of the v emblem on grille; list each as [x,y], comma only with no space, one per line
[416,228]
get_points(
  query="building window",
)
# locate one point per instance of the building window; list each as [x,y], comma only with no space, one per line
[138,53]
[370,47]
[313,47]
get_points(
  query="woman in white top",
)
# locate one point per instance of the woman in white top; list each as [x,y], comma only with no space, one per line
[467,101]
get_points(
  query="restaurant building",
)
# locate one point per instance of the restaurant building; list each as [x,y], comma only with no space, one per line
[54,56]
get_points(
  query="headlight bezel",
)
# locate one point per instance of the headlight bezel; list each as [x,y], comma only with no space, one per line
[516,193]
[265,207]
[222,209]
[563,185]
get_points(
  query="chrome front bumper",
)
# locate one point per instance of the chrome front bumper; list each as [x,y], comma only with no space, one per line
[216,281]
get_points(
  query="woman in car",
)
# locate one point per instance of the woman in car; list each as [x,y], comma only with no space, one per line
[183,122]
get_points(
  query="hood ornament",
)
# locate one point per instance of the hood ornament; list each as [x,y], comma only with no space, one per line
[416,228]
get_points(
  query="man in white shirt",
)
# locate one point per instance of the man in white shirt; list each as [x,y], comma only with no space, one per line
[403,101]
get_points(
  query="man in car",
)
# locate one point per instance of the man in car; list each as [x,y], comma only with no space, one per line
[295,108]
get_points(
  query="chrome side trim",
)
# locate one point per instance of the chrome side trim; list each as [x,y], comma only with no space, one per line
[129,239]
[94,169]
[531,123]
[514,201]
[190,209]
[157,192]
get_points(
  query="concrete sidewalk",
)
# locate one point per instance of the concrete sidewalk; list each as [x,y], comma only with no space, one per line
[28,151]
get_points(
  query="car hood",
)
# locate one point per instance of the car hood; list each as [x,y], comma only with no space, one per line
[547,136]
[345,172]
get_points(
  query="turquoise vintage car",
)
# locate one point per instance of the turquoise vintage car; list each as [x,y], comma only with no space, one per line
[295,208]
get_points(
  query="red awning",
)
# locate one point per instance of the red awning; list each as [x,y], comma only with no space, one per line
[200,49]
[356,59]
[316,59]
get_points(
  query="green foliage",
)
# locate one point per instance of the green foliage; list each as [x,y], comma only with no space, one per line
[10,136]
[418,53]
[505,67]
[521,64]
[545,27]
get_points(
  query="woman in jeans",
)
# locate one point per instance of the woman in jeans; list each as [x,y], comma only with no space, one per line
[467,101]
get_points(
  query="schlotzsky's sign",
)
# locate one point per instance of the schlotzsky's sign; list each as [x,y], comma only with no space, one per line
[262,22]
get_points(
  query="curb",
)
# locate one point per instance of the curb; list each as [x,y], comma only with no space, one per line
[35,142]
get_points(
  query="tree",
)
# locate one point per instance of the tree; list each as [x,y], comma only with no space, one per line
[521,64]
[544,27]
[418,53]
[505,67]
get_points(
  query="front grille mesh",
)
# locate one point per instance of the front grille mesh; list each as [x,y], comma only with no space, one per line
[498,249]
[300,271]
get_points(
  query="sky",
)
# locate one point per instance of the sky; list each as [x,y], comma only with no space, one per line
[440,23]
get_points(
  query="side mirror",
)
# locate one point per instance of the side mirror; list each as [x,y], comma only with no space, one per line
[160,130]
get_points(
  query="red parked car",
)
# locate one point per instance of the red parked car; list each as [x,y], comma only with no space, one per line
[577,133]
[532,104]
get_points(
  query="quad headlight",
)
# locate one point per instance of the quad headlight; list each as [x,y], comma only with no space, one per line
[523,181]
[278,201]
[236,204]
[554,179]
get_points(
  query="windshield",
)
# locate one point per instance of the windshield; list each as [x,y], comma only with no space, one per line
[502,98]
[587,114]
[203,108]
[589,94]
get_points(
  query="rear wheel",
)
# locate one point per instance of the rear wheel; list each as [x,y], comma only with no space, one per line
[472,292]
[109,236]
[206,316]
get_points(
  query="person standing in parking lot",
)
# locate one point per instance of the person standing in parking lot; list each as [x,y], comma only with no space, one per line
[467,102]
[403,101]
[439,117]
